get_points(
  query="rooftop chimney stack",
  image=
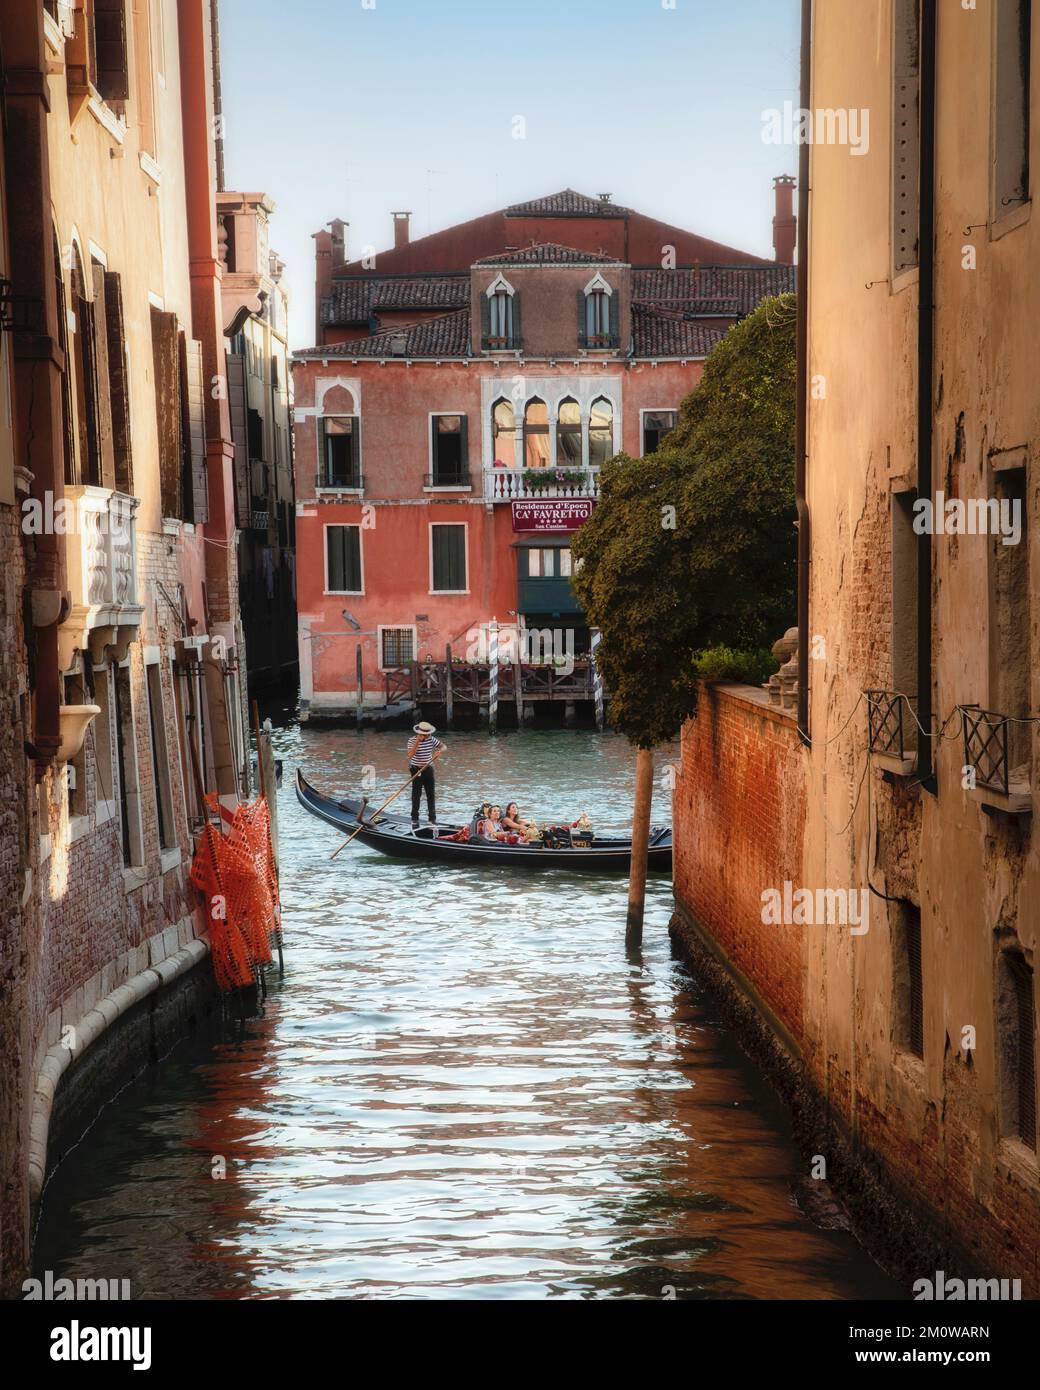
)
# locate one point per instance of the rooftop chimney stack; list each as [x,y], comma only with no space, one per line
[401,229]
[339,241]
[784,221]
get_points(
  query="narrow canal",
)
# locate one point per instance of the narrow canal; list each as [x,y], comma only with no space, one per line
[461,1089]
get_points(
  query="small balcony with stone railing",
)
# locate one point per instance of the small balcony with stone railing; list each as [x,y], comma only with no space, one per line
[101,550]
[539,484]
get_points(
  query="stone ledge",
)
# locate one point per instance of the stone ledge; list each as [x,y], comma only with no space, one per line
[88,1029]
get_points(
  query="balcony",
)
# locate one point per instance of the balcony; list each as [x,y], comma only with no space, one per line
[892,731]
[101,549]
[539,484]
[344,480]
[996,749]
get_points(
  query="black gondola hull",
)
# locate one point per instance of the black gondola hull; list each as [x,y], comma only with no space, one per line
[393,835]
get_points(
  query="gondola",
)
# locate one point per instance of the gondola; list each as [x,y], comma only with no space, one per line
[394,835]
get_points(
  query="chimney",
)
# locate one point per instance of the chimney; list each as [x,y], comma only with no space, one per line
[784,222]
[339,241]
[400,229]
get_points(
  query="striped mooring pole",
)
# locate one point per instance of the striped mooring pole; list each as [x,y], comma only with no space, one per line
[597,680]
[493,678]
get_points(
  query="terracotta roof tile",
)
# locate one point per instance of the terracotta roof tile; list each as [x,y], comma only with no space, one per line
[445,336]
[356,298]
[667,332]
[567,204]
[744,284]
[549,253]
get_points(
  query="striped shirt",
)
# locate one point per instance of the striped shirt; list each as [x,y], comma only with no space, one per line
[422,753]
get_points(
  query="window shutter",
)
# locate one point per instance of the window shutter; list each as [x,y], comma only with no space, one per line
[236,379]
[464,445]
[119,384]
[196,482]
[518,332]
[106,457]
[582,310]
[615,313]
[110,50]
[166,367]
[485,319]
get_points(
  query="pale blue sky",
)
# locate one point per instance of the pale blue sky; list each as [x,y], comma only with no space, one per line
[342,108]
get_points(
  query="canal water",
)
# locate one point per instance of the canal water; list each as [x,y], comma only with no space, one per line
[462,1088]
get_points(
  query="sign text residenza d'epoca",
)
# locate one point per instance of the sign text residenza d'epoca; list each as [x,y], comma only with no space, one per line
[553,514]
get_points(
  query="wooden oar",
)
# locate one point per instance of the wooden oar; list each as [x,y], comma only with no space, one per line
[386,803]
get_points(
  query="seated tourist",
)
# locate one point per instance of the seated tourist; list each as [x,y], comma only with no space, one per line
[514,821]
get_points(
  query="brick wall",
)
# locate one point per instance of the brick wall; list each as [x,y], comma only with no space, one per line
[738,815]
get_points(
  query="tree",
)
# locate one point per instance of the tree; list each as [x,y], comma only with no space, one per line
[694,546]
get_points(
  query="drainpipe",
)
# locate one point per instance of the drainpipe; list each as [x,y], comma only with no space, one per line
[802,357]
[925,384]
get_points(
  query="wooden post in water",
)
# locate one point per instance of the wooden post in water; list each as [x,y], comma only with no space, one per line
[597,680]
[640,843]
[449,706]
[518,676]
[360,685]
[493,679]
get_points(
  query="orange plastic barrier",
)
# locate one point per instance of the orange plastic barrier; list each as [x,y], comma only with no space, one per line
[235,874]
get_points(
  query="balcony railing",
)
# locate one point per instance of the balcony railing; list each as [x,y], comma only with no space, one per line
[448,477]
[986,747]
[101,549]
[891,727]
[511,484]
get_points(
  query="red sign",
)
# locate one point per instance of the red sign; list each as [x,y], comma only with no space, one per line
[551,514]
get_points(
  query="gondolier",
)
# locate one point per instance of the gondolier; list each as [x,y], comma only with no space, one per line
[422,748]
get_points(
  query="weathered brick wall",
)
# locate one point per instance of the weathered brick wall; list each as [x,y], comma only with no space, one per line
[738,815]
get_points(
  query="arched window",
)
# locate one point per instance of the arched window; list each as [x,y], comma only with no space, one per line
[503,433]
[568,434]
[501,318]
[601,432]
[83,366]
[598,331]
[536,434]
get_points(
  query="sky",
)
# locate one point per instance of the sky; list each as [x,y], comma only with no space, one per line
[353,108]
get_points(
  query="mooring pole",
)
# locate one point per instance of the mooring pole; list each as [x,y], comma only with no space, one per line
[640,844]
[262,777]
[360,684]
[449,706]
[597,680]
[493,681]
[518,677]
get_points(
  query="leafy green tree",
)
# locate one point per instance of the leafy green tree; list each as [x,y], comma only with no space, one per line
[693,547]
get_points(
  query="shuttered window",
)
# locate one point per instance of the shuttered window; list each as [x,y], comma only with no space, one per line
[236,378]
[1020,1047]
[907,979]
[1013,29]
[449,450]
[167,374]
[193,431]
[916,980]
[118,383]
[340,451]
[343,550]
[906,133]
[103,397]
[111,65]
[448,558]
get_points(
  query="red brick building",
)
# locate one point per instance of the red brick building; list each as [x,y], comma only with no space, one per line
[451,423]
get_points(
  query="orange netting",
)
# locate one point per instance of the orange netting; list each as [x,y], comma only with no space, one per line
[235,874]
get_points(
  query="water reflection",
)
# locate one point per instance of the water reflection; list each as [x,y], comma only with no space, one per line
[462,1089]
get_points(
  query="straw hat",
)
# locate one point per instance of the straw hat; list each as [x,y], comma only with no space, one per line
[423,727]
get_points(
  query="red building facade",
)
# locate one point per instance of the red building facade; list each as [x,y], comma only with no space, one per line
[452,421]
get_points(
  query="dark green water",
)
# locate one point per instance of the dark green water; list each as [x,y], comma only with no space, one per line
[463,1088]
